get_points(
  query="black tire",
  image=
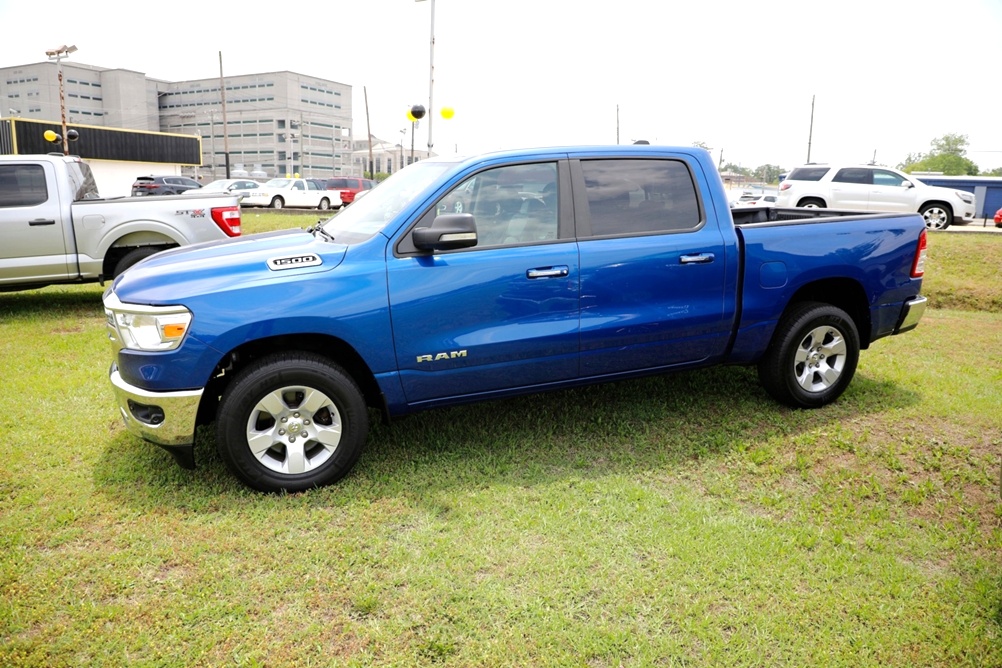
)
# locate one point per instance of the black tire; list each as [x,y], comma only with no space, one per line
[324,204]
[812,203]
[132,257]
[277,203]
[937,216]
[291,422]
[812,356]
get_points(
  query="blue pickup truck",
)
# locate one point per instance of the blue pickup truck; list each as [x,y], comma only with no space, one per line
[467,279]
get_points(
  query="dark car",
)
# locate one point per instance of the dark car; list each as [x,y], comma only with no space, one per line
[163,185]
[348,185]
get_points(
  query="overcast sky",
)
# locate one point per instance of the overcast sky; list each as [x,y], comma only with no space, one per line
[886,76]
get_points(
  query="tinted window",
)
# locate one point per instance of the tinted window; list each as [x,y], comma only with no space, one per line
[22,185]
[808,174]
[854,175]
[511,205]
[640,196]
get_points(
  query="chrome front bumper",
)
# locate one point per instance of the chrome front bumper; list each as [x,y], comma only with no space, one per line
[164,418]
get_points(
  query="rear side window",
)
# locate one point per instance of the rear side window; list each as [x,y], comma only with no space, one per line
[854,175]
[640,196]
[808,174]
[22,185]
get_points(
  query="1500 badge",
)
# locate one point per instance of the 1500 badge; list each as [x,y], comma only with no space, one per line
[451,355]
[293,261]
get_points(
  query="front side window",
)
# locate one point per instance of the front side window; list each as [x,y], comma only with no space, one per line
[515,204]
[22,185]
[640,196]
[882,177]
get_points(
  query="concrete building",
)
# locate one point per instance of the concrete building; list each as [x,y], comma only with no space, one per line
[274,123]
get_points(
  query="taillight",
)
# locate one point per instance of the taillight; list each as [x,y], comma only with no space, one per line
[227,218]
[918,265]
[785,185]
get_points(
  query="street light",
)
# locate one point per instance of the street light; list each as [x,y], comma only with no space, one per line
[58,54]
[431,73]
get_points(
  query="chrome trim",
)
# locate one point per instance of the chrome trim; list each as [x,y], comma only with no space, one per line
[911,313]
[180,409]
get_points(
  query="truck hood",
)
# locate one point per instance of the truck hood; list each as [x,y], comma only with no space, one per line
[171,276]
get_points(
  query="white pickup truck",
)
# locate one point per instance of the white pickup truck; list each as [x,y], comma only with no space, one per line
[56,228]
[281,193]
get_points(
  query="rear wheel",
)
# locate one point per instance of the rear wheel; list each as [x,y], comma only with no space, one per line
[937,216]
[324,204]
[812,203]
[277,203]
[812,357]
[134,256]
[290,422]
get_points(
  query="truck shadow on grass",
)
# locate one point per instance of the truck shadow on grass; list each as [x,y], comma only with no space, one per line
[612,429]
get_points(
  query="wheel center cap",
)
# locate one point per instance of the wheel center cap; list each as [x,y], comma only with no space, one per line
[295,427]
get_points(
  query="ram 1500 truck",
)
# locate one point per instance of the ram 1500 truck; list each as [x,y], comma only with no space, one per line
[57,229]
[460,280]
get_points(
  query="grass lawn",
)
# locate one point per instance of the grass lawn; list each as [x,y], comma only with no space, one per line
[685,520]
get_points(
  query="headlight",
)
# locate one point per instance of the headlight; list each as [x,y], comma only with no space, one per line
[149,328]
[967,197]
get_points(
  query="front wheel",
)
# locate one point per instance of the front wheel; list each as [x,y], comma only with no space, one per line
[812,356]
[290,422]
[277,203]
[937,216]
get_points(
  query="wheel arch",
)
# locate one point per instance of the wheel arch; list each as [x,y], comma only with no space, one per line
[844,293]
[334,349]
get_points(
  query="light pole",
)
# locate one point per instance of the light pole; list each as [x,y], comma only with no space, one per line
[431,73]
[58,54]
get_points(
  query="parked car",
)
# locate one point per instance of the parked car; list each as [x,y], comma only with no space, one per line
[238,187]
[871,188]
[293,193]
[163,185]
[349,186]
[632,266]
[58,229]
[756,199]
[998,218]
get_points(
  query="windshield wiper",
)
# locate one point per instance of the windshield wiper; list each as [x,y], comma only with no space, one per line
[318,229]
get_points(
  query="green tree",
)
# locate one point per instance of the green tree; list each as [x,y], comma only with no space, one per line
[767,173]
[736,169]
[948,156]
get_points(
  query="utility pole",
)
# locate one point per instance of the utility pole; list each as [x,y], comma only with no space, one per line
[222,97]
[810,134]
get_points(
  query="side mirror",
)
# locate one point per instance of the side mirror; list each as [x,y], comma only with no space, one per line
[908,184]
[447,232]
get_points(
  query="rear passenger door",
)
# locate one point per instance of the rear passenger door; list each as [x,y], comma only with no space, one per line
[851,189]
[34,246]
[653,267]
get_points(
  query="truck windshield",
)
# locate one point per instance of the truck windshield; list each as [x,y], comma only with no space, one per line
[368,215]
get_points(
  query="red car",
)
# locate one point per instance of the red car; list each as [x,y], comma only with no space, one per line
[998,218]
[349,186]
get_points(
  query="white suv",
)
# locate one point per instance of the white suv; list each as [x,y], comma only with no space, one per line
[870,188]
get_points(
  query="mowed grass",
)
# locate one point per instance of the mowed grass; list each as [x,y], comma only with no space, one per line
[685,520]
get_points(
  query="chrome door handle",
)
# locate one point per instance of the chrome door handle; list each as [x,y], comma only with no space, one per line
[548,272]
[698,258]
